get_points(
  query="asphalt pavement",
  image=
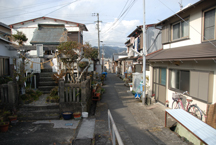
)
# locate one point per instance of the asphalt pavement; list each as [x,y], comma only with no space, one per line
[137,124]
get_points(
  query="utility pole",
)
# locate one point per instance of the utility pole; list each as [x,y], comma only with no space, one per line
[144,55]
[97,14]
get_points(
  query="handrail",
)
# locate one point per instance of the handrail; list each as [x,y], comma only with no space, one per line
[113,130]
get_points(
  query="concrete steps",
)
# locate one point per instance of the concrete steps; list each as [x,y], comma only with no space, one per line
[46,112]
[46,83]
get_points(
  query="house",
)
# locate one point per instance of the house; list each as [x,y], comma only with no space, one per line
[153,43]
[47,33]
[44,35]
[7,56]
[116,63]
[187,60]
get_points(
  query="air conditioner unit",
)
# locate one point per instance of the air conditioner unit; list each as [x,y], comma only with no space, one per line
[39,48]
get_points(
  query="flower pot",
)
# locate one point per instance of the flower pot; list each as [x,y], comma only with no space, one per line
[4,126]
[77,114]
[11,118]
[97,94]
[67,115]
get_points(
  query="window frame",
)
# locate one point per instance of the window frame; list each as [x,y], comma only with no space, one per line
[203,24]
[180,22]
[179,77]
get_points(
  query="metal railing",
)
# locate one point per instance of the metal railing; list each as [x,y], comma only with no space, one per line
[113,130]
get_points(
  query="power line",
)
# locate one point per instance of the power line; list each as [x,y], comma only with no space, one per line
[187,23]
[61,7]
[34,11]
[25,6]
[121,15]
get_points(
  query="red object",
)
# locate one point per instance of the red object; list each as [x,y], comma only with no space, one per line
[11,118]
[77,115]
[4,128]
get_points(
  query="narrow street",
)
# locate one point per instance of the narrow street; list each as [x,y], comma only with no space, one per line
[136,123]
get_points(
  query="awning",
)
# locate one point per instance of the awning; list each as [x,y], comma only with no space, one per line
[203,51]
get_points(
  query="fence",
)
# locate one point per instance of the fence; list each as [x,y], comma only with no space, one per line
[9,95]
[75,97]
[113,130]
[211,115]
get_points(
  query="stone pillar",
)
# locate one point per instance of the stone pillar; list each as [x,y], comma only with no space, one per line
[11,92]
[61,90]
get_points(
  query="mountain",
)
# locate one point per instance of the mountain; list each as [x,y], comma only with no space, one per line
[109,50]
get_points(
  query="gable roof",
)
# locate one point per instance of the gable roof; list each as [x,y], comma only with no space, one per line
[4,25]
[181,11]
[83,26]
[203,51]
[49,34]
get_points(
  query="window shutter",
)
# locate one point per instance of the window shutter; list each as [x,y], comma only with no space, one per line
[165,34]
[39,48]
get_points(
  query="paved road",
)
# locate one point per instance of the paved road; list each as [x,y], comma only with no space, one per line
[124,119]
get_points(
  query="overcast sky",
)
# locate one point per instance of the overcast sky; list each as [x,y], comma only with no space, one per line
[119,17]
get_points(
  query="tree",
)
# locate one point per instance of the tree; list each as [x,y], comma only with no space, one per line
[72,53]
[21,38]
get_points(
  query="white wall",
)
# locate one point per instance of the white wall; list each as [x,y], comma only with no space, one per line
[195,31]
[28,27]
[6,53]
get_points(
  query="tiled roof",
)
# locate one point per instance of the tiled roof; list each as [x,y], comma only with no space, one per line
[52,35]
[204,51]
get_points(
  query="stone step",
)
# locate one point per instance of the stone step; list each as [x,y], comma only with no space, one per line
[47,114]
[48,83]
[45,88]
[42,79]
[46,70]
[29,107]
[46,74]
[45,92]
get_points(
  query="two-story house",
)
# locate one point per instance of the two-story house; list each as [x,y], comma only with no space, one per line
[6,55]
[187,61]
[48,33]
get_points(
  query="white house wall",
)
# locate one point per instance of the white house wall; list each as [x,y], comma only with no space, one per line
[28,27]
[195,31]
[6,53]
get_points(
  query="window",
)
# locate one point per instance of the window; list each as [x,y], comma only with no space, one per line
[209,25]
[162,76]
[179,79]
[180,30]
[4,66]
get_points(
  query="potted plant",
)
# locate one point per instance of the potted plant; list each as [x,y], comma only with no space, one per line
[67,115]
[77,115]
[98,92]
[4,125]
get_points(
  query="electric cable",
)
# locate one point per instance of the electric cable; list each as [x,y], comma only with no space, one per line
[187,23]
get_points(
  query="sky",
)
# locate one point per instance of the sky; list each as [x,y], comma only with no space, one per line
[118,17]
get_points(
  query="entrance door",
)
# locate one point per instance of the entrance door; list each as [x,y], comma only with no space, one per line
[159,84]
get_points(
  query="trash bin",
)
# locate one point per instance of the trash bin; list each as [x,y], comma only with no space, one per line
[125,74]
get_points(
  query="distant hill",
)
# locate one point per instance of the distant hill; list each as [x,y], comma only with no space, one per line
[109,50]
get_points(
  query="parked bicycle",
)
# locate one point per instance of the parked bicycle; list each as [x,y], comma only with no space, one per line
[193,109]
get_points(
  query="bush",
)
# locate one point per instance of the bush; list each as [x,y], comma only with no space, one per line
[31,95]
[5,79]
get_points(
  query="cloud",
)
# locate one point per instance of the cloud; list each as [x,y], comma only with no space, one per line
[116,36]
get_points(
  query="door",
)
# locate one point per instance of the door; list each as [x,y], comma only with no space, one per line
[159,84]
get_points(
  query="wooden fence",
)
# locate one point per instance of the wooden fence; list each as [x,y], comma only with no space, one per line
[75,97]
[211,115]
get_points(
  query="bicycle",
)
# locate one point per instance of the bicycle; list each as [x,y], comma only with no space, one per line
[193,109]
